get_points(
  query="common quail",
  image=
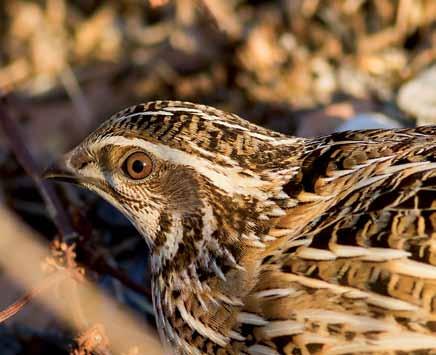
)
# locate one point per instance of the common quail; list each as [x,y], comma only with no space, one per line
[267,244]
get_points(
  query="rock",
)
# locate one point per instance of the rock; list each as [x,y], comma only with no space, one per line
[367,121]
[418,97]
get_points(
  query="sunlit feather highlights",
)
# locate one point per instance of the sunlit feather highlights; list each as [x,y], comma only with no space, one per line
[267,244]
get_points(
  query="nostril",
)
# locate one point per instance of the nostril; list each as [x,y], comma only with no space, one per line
[83,164]
[80,160]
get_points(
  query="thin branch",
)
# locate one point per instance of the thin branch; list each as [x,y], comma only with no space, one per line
[16,142]
[55,208]
[23,301]
[100,265]
[124,328]
[66,230]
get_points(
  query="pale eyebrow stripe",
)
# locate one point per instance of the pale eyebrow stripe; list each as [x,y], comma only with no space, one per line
[147,113]
[226,180]
[183,109]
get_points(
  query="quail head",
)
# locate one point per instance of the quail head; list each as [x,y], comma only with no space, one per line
[267,244]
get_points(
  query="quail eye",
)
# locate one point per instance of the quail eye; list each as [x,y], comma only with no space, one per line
[137,166]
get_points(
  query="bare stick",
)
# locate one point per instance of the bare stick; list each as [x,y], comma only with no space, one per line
[52,201]
[29,164]
[23,301]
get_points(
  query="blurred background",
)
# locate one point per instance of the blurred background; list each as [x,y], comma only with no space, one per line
[304,67]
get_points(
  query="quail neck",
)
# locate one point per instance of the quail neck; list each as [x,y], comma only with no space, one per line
[267,244]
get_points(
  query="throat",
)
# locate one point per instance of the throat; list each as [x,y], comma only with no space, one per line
[196,245]
[191,277]
[205,263]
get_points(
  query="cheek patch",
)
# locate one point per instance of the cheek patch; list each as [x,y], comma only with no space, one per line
[180,188]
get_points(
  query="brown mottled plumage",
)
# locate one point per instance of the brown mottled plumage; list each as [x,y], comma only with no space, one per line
[266,244]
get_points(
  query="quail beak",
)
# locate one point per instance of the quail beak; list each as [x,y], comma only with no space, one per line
[60,171]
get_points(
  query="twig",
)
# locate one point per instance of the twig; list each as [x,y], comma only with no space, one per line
[53,203]
[21,262]
[29,164]
[72,87]
[23,301]
[63,224]
[54,206]
[100,265]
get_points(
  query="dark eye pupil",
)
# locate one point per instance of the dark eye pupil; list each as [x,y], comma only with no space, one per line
[138,166]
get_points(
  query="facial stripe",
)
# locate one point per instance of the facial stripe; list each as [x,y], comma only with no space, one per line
[227,178]
[146,113]
[182,109]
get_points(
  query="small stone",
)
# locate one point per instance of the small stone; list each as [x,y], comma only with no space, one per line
[418,97]
[368,121]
